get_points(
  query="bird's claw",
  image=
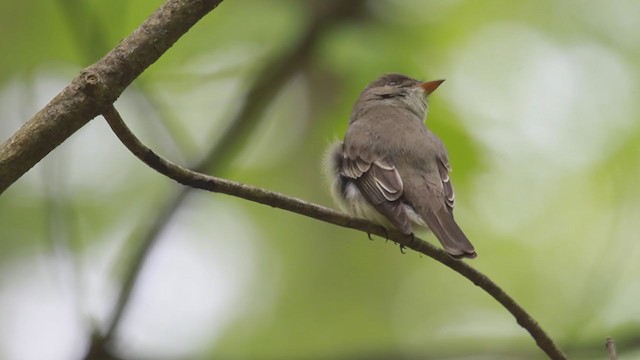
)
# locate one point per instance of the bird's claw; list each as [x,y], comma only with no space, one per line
[411,241]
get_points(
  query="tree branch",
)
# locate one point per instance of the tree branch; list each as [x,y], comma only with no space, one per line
[201,181]
[610,344]
[97,87]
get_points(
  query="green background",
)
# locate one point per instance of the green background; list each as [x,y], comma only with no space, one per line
[539,114]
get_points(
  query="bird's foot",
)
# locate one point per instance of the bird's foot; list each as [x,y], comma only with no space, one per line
[411,241]
[386,234]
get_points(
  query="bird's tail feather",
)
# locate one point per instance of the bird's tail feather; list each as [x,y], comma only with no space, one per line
[453,240]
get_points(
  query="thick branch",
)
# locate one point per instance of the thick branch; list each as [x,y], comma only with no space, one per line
[210,183]
[97,87]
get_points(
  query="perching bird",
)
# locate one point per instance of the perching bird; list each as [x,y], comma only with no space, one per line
[391,169]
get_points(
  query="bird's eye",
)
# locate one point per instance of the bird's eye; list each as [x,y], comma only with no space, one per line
[392,83]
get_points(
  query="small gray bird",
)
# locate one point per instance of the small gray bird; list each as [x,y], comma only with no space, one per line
[391,169]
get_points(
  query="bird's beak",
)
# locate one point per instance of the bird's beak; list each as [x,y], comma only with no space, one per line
[430,86]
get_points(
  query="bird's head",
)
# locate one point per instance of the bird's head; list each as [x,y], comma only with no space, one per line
[400,91]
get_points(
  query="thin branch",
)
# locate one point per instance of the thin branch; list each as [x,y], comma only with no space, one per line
[201,181]
[610,344]
[97,87]
[262,92]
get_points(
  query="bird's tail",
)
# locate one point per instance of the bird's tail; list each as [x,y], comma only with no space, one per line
[453,240]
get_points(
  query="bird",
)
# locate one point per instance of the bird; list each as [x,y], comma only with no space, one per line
[391,169]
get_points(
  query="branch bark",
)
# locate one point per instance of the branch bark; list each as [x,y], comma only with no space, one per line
[97,87]
[205,182]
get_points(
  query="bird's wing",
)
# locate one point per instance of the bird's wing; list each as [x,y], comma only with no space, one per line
[434,199]
[449,195]
[381,184]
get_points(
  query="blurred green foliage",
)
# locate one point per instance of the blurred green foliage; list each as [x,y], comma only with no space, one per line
[539,113]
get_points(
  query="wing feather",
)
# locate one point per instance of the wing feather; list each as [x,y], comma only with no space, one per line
[449,195]
[381,184]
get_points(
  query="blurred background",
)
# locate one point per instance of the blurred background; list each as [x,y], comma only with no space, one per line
[539,113]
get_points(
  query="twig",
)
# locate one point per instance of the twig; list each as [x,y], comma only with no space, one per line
[262,91]
[97,87]
[201,181]
[610,344]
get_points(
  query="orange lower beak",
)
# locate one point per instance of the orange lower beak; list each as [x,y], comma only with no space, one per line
[430,86]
